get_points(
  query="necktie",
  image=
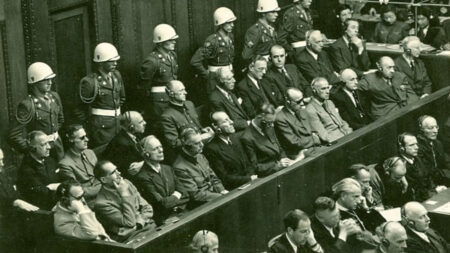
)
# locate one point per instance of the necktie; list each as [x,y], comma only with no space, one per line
[230,99]
[413,69]
[325,107]
[287,76]
[434,155]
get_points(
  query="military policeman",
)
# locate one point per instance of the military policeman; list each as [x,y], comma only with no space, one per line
[158,69]
[40,110]
[261,36]
[218,50]
[296,22]
[102,94]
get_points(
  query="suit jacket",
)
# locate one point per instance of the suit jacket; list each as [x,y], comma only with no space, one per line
[345,56]
[262,151]
[84,226]
[157,189]
[219,102]
[33,178]
[122,151]
[328,124]
[382,97]
[417,245]
[282,245]
[121,215]
[432,156]
[329,243]
[418,79]
[434,37]
[8,194]
[312,68]
[355,116]
[420,180]
[229,161]
[391,34]
[294,132]
[197,177]
[394,196]
[274,95]
[295,79]
[73,167]
[252,97]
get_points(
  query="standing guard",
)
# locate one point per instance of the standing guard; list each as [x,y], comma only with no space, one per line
[40,110]
[102,94]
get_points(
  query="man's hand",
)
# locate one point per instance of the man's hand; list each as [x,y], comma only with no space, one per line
[424,96]
[53,187]
[224,192]
[285,162]
[177,194]
[347,228]
[440,188]
[78,206]
[310,239]
[25,205]
[253,177]
[135,168]
[122,188]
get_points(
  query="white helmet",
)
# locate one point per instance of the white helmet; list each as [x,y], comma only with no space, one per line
[267,6]
[105,52]
[223,15]
[39,71]
[164,32]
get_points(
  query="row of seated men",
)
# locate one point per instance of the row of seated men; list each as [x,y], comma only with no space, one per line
[156,192]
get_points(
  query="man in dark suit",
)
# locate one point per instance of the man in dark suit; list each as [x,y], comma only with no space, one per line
[285,75]
[226,154]
[223,99]
[180,114]
[348,100]
[298,237]
[158,184]
[292,126]
[313,61]
[37,177]
[328,229]
[421,238]
[431,150]
[349,50]
[261,144]
[250,88]
[413,67]
[124,149]
[386,90]
[79,162]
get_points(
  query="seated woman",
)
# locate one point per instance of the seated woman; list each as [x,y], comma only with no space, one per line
[430,32]
[389,29]
[72,216]
[396,190]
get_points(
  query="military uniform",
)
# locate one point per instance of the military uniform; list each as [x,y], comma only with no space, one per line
[218,51]
[296,22]
[156,71]
[104,94]
[259,38]
[44,114]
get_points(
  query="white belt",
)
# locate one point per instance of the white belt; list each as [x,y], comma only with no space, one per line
[105,112]
[298,44]
[158,89]
[53,137]
[216,68]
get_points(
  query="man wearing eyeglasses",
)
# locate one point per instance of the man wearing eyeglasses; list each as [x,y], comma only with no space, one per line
[72,217]
[119,206]
[292,126]
[79,162]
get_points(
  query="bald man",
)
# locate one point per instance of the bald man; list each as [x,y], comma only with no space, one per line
[313,61]
[421,238]
[413,67]
[292,126]
[386,90]
[347,99]
[431,151]
[323,115]
[124,150]
[393,238]
[180,114]
[222,98]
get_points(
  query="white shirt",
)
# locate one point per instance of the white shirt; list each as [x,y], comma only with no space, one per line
[421,235]
[257,128]
[350,94]
[314,55]
[254,81]
[227,141]
[155,168]
[330,230]
[408,160]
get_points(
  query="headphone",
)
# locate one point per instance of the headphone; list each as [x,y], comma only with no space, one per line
[420,121]
[405,219]
[387,165]
[126,117]
[204,248]
[400,142]
[385,241]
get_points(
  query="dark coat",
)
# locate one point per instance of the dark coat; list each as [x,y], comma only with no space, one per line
[418,78]
[417,245]
[282,245]
[345,56]
[355,116]
[420,180]
[219,102]
[312,68]
[432,156]
[326,240]
[283,82]
[252,97]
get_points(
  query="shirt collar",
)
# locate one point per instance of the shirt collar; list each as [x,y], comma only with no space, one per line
[226,140]
[254,81]
[257,128]
[189,158]
[224,92]
[407,59]
[132,136]
[291,243]
[409,160]
[40,161]
[341,208]
[421,235]
[177,107]
[314,55]
[157,168]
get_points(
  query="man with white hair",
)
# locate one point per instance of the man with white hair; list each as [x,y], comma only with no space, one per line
[421,238]
[413,67]
[313,61]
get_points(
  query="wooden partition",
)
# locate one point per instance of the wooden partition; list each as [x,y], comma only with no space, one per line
[246,219]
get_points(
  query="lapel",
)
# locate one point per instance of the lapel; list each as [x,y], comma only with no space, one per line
[263,140]
[252,88]
[235,106]
[315,63]
[294,120]
[345,50]
[406,68]
[155,177]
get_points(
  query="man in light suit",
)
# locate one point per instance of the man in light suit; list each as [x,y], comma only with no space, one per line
[292,126]
[349,50]
[223,99]
[347,99]
[413,67]
[323,115]
[386,90]
[421,238]
[79,162]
